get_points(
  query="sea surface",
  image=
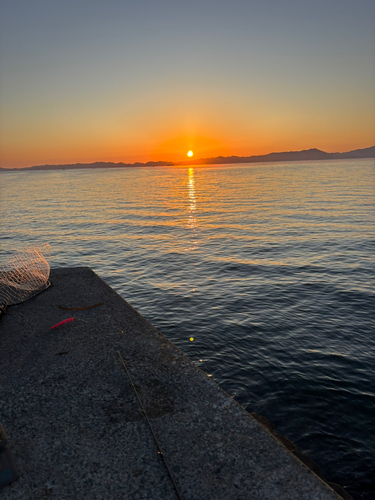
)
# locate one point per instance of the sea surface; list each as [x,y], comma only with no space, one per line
[269,267]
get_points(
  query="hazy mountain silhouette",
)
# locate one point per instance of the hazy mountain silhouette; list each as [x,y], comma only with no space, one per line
[101,164]
[309,154]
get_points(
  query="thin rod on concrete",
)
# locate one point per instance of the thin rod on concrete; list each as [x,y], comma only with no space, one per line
[153,433]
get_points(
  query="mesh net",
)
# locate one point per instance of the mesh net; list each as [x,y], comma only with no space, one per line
[25,274]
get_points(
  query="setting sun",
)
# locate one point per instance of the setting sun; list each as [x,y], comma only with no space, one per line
[190,153]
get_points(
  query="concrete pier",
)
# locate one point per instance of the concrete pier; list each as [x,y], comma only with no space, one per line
[76,428]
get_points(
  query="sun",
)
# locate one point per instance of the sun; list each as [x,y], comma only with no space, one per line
[190,153]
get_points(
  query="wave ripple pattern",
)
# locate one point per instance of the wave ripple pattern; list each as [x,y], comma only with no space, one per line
[269,267]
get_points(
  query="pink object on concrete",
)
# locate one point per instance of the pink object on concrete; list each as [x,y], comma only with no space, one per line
[62,322]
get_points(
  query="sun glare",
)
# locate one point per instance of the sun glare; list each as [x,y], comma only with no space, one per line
[190,153]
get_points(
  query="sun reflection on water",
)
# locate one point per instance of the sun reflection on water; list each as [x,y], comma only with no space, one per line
[192,208]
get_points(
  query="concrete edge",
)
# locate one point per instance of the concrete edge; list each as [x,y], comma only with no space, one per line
[304,459]
[287,444]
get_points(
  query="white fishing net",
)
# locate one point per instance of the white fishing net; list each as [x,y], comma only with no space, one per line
[25,274]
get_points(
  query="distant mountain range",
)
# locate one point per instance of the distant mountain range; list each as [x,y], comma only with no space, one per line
[305,155]
[98,164]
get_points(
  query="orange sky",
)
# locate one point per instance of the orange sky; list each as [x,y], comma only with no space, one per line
[124,84]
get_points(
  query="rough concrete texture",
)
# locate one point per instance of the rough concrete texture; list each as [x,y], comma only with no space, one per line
[75,426]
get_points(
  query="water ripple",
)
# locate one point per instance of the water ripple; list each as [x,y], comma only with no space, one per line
[269,267]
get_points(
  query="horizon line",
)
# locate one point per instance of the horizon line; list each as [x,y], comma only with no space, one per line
[210,160]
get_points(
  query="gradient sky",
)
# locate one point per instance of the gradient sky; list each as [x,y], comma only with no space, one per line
[111,80]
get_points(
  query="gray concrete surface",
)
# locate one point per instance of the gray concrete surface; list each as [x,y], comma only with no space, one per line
[76,429]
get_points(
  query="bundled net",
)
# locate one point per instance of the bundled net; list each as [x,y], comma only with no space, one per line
[25,274]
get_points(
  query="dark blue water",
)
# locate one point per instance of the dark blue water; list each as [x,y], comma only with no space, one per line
[269,267]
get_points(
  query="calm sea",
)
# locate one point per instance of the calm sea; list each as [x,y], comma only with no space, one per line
[270,267]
